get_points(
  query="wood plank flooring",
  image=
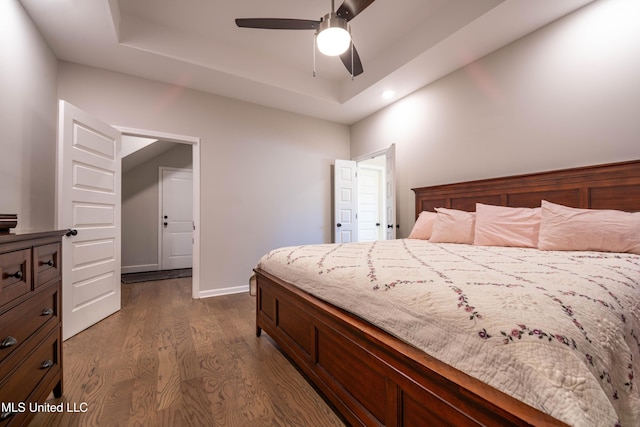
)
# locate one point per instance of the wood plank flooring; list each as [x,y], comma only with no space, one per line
[168,360]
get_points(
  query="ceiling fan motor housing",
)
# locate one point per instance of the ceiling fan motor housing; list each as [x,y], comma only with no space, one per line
[333,37]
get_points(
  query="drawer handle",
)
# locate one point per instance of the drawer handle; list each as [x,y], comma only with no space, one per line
[49,263]
[17,274]
[46,364]
[47,312]
[6,415]
[8,342]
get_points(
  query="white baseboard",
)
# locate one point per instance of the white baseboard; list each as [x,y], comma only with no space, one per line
[223,291]
[139,268]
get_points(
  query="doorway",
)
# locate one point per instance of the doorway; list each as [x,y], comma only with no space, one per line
[364,198]
[88,203]
[194,144]
[371,199]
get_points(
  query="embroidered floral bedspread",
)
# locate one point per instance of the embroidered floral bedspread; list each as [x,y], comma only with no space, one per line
[557,330]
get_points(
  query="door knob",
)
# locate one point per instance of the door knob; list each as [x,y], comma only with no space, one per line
[166,223]
[338,225]
[71,232]
[389,225]
[165,217]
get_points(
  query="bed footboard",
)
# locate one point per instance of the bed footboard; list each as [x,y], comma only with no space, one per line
[372,378]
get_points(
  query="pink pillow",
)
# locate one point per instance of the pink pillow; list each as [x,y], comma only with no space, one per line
[571,229]
[453,226]
[505,226]
[423,226]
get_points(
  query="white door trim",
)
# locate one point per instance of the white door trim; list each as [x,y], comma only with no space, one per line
[373,155]
[195,144]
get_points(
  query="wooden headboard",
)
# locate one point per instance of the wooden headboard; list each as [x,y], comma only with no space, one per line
[609,186]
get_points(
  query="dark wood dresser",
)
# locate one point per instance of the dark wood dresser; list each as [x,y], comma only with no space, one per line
[30,323]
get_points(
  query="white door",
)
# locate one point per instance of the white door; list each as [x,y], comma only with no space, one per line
[176,218]
[88,201]
[345,201]
[390,190]
[370,209]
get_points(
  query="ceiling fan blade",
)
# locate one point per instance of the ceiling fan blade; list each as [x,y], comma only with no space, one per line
[357,64]
[351,8]
[278,23]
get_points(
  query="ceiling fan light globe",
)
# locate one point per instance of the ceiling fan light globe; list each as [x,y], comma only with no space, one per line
[333,37]
[333,41]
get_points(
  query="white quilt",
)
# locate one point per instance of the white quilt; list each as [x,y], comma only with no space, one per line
[557,330]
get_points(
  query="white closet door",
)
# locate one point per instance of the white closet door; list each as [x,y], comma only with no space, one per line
[177,218]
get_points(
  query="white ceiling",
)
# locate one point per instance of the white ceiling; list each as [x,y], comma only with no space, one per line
[404,45]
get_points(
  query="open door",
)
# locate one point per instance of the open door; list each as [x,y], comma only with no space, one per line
[345,201]
[88,202]
[390,190]
[346,197]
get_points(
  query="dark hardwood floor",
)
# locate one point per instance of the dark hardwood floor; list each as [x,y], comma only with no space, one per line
[168,360]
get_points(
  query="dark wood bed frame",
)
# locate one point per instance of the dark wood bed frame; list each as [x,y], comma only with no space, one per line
[374,379]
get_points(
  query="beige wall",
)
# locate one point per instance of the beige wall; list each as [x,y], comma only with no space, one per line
[265,173]
[28,112]
[567,95]
[564,96]
[140,198]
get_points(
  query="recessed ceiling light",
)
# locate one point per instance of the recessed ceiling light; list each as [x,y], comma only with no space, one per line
[388,94]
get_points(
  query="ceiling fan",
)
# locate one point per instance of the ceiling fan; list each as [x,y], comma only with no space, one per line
[333,37]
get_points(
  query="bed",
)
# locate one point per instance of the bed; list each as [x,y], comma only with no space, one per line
[375,375]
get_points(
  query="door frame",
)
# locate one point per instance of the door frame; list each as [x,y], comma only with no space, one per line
[161,170]
[195,144]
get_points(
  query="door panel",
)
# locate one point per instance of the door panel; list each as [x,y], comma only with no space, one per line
[86,214]
[345,201]
[88,200]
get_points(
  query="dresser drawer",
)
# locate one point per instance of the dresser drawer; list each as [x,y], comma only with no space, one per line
[22,321]
[36,365]
[30,322]
[46,263]
[15,271]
